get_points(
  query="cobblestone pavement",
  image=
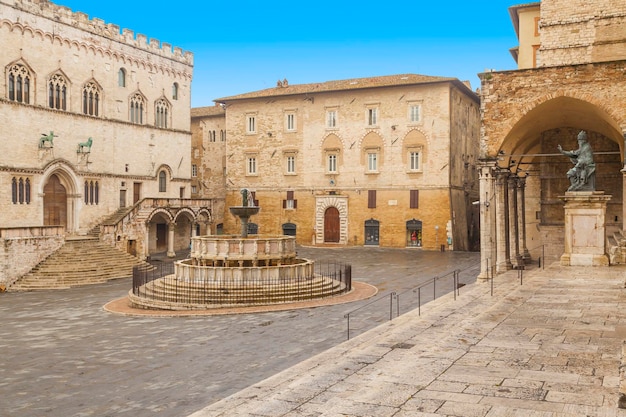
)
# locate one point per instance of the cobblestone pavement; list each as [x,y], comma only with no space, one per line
[548,345]
[62,355]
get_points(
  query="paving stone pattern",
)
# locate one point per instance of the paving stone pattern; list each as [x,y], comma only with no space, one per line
[551,347]
[62,355]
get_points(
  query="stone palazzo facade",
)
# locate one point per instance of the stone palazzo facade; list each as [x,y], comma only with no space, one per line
[577,83]
[93,121]
[381,161]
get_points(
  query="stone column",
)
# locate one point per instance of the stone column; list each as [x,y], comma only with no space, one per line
[487,217]
[521,204]
[515,256]
[503,254]
[171,228]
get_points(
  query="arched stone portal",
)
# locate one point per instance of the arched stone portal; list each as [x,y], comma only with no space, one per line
[61,200]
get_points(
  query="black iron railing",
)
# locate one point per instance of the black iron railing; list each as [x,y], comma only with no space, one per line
[270,286]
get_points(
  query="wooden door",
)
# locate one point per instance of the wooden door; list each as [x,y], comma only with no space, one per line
[331,225]
[136,192]
[161,236]
[54,203]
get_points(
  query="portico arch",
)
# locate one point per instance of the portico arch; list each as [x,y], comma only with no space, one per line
[523,174]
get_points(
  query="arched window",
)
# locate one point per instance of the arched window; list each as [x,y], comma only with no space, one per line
[19,83]
[91,99]
[20,190]
[161,113]
[91,192]
[121,77]
[175,91]
[162,182]
[27,191]
[137,108]
[57,92]
[14,190]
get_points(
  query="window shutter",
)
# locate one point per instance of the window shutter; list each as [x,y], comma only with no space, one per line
[295,204]
[371,199]
[289,195]
[284,204]
[414,199]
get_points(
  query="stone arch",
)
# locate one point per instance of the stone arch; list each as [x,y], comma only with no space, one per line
[332,143]
[185,211]
[160,211]
[204,213]
[576,112]
[372,142]
[414,140]
[69,179]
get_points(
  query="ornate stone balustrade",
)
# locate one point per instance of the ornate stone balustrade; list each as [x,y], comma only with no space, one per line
[234,250]
[236,277]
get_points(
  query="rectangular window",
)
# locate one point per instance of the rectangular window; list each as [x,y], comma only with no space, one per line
[291,164]
[414,161]
[331,118]
[250,124]
[332,163]
[371,199]
[251,165]
[414,113]
[194,189]
[291,122]
[290,202]
[194,170]
[372,162]
[372,116]
[414,199]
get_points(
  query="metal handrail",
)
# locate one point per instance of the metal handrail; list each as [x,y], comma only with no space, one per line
[393,295]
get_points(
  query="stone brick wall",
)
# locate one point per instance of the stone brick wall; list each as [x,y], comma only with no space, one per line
[509,96]
[22,249]
[580,31]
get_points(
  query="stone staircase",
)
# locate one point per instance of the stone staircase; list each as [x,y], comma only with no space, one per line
[80,261]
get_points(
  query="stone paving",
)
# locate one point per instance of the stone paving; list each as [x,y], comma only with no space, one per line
[550,347]
[62,355]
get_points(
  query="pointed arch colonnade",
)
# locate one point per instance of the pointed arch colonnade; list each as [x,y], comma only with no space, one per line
[526,114]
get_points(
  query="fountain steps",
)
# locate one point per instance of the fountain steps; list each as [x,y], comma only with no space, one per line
[168,292]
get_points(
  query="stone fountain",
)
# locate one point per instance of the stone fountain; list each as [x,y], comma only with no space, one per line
[240,270]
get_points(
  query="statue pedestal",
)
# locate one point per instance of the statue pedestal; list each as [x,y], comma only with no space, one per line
[585,233]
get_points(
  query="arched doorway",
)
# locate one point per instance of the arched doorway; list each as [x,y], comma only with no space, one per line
[54,203]
[331,225]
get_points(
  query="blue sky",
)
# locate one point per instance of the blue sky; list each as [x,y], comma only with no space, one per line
[246,45]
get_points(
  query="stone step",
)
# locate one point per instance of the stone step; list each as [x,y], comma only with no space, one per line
[80,261]
[168,291]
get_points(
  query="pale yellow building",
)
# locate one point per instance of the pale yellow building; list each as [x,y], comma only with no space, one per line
[386,161]
[525,19]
